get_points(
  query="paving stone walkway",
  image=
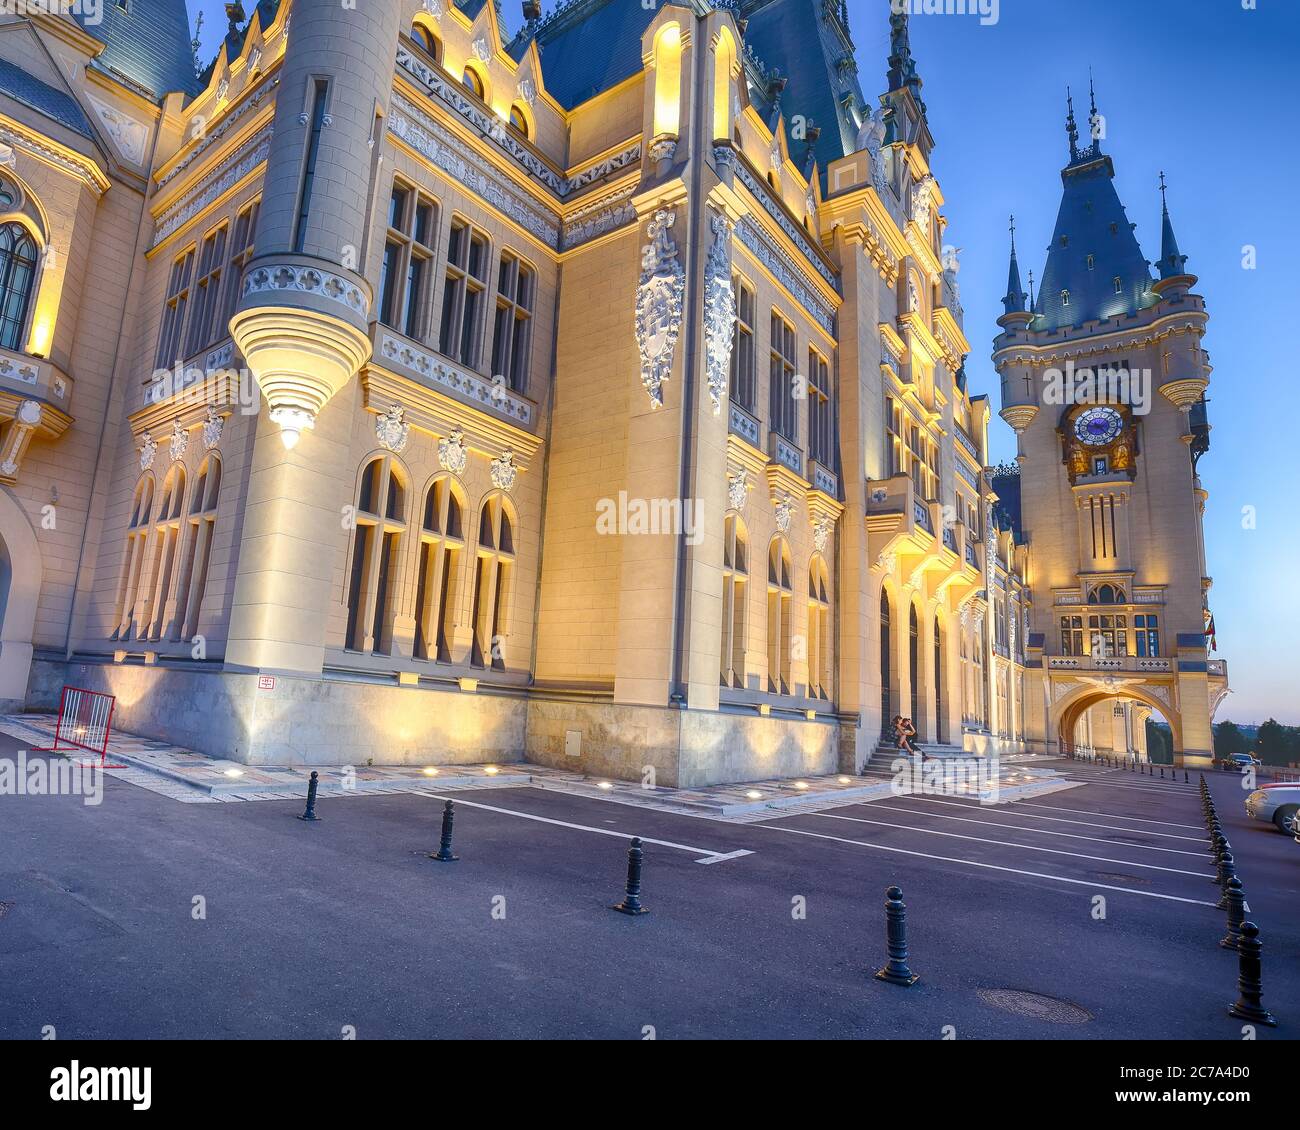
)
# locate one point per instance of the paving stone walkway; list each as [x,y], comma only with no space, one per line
[194,778]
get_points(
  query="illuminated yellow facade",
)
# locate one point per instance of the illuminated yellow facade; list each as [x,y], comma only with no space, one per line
[591,393]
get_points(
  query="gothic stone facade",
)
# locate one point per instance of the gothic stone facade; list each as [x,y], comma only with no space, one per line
[413,391]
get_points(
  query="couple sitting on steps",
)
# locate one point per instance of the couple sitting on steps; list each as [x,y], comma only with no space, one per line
[905,737]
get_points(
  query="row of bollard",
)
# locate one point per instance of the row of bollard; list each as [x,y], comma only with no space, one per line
[1241,935]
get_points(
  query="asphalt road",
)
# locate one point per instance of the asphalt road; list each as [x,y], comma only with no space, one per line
[311,931]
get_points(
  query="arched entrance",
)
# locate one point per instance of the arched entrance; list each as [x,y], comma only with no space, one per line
[1071,711]
[20,585]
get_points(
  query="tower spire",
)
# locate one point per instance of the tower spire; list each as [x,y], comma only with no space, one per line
[1071,127]
[1014,301]
[1172,262]
[902,67]
[1094,119]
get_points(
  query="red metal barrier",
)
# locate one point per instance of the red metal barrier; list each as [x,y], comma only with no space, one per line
[85,722]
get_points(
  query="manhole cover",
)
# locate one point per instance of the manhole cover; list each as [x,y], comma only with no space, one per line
[1034,1005]
[1117,876]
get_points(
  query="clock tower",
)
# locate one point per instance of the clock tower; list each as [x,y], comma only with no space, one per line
[1103,380]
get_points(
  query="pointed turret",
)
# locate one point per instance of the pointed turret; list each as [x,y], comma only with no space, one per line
[902,67]
[1014,300]
[1172,262]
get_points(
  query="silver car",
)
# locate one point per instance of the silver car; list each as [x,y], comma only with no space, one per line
[1278,804]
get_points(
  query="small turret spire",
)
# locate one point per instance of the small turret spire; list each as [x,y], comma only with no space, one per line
[1071,127]
[1014,301]
[1094,118]
[1172,262]
[902,67]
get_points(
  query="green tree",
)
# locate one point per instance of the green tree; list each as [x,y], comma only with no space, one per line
[1160,743]
[1228,738]
[1277,744]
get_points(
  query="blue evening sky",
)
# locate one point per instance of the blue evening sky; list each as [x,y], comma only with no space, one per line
[1206,91]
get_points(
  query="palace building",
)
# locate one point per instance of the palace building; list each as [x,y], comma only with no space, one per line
[421,384]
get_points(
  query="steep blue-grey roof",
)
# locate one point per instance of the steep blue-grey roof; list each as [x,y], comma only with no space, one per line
[587,46]
[149,43]
[794,38]
[1006,510]
[45,99]
[1092,222]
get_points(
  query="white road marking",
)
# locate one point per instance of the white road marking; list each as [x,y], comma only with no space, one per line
[1011,811]
[1005,843]
[986,866]
[1109,815]
[709,856]
[1029,831]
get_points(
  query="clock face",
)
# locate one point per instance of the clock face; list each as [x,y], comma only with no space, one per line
[1098,426]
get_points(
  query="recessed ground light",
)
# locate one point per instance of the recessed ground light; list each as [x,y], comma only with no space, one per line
[801,784]
[234,772]
[430,771]
[491,770]
[846,780]
[603,785]
[754,794]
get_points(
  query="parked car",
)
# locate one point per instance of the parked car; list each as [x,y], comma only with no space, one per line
[1278,803]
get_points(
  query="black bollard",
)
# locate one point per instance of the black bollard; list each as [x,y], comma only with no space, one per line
[896,972]
[1235,905]
[310,814]
[1250,988]
[1229,873]
[631,903]
[1225,852]
[444,852]
[1186,780]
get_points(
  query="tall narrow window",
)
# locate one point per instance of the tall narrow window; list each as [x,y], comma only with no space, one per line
[462,296]
[1148,635]
[442,545]
[162,563]
[821,421]
[735,582]
[407,269]
[819,630]
[493,572]
[18,259]
[780,610]
[914,665]
[137,541]
[427,42]
[178,298]
[241,251]
[938,682]
[200,527]
[512,333]
[380,518]
[742,349]
[1072,636]
[781,391]
[886,663]
[317,120]
[207,291]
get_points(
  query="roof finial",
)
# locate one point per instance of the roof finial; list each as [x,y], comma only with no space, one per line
[1164,200]
[1013,233]
[1094,118]
[1071,127]
[1031,290]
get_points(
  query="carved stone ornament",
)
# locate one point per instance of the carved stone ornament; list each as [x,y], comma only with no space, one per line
[659,306]
[784,510]
[822,532]
[148,451]
[213,426]
[887,563]
[482,50]
[434,8]
[921,195]
[504,472]
[180,441]
[738,488]
[719,310]
[392,430]
[453,455]
[663,149]
[528,90]
[871,137]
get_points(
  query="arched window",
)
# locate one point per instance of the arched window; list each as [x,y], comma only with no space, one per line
[914,665]
[1106,594]
[166,544]
[493,572]
[735,581]
[427,42]
[668,80]
[780,616]
[380,519]
[442,543]
[200,525]
[820,681]
[18,256]
[886,662]
[472,81]
[137,540]
[519,121]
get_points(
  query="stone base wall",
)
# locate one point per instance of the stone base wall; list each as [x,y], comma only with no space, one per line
[336,722]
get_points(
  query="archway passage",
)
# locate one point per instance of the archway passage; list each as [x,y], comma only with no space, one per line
[20,585]
[1114,722]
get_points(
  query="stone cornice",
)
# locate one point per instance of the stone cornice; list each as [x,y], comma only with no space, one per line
[1084,345]
[86,169]
[788,274]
